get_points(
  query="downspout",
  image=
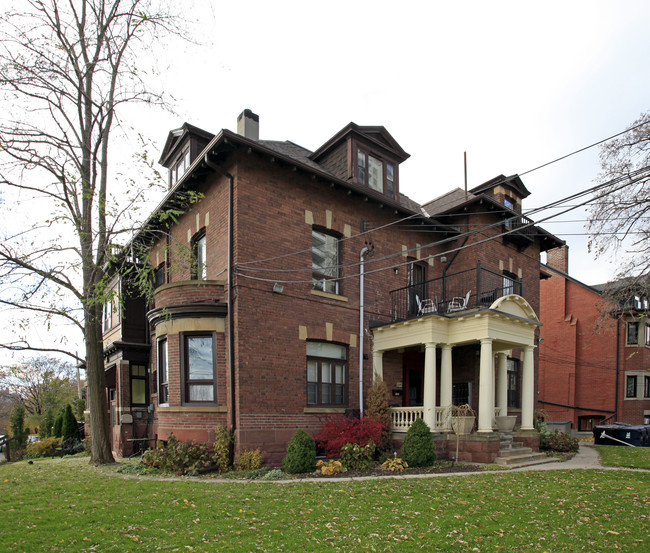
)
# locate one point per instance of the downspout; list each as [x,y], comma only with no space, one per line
[618,364]
[364,251]
[231,320]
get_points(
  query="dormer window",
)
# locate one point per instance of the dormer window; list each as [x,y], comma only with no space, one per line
[178,169]
[509,203]
[376,173]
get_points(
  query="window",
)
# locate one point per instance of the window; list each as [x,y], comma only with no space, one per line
[646,386]
[630,386]
[108,315]
[139,385]
[326,374]
[513,382]
[632,333]
[325,262]
[461,393]
[376,173]
[199,251]
[647,334]
[159,275]
[199,366]
[179,168]
[509,203]
[163,372]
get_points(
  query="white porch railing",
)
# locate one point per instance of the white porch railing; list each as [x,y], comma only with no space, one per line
[403,417]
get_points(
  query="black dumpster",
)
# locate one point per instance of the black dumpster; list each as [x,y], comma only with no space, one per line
[622,434]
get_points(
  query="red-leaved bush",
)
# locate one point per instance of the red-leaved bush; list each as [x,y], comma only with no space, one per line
[339,430]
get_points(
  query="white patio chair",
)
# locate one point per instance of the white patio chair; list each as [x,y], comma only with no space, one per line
[458,303]
[426,306]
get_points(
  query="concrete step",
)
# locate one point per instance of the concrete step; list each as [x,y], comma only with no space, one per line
[515,452]
[525,459]
[529,462]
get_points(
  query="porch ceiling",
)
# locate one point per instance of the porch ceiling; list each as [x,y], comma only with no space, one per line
[510,321]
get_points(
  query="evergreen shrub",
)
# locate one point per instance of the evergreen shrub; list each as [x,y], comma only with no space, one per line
[249,459]
[418,449]
[301,454]
[222,449]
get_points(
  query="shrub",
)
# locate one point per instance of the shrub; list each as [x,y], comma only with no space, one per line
[72,446]
[44,448]
[378,408]
[249,459]
[18,429]
[330,467]
[301,454]
[339,430]
[177,457]
[57,429]
[418,449]
[69,427]
[357,457]
[274,474]
[394,464]
[558,441]
[222,454]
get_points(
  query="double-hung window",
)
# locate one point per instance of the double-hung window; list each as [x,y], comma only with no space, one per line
[513,382]
[326,374]
[646,387]
[138,384]
[179,168]
[199,253]
[163,372]
[199,368]
[633,333]
[325,261]
[630,386]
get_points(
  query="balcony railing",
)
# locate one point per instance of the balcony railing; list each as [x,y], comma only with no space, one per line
[475,287]
[520,230]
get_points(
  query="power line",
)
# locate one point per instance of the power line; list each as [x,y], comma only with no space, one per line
[640,173]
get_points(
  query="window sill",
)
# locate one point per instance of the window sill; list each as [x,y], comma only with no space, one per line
[324,410]
[192,409]
[328,295]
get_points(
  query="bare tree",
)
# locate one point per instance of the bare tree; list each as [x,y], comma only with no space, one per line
[67,68]
[620,218]
[40,383]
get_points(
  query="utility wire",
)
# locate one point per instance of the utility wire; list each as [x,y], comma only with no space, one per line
[638,173]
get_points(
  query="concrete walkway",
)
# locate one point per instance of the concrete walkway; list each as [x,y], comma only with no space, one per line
[586,458]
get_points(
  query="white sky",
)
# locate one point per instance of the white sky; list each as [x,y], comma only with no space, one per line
[515,84]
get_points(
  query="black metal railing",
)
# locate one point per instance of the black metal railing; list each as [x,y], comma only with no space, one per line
[520,230]
[476,287]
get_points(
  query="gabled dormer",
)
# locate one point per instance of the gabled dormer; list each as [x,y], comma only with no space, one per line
[367,156]
[182,147]
[509,191]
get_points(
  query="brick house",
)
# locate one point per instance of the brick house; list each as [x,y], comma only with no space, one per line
[593,368]
[301,277]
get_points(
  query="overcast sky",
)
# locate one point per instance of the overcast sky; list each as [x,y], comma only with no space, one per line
[514,84]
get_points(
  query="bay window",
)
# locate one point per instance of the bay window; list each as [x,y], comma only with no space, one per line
[163,372]
[199,368]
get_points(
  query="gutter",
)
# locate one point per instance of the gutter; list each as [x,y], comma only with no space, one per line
[231,319]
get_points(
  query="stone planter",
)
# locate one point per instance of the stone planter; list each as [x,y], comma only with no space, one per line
[462,425]
[506,423]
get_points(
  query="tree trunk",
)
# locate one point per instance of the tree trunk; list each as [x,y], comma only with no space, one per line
[100,453]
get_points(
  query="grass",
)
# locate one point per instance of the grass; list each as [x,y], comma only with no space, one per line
[623,456]
[65,505]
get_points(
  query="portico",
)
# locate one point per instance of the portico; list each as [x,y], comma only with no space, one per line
[508,323]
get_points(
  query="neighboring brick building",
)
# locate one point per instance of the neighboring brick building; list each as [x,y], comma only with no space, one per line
[258,323]
[594,360]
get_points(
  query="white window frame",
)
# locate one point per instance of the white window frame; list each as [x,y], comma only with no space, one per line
[163,385]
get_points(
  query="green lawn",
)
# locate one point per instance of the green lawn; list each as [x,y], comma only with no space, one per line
[624,456]
[65,505]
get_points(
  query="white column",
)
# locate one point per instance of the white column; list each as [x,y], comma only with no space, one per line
[430,384]
[502,383]
[486,387]
[445,381]
[377,366]
[528,390]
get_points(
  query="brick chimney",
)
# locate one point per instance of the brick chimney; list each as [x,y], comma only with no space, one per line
[558,258]
[248,124]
